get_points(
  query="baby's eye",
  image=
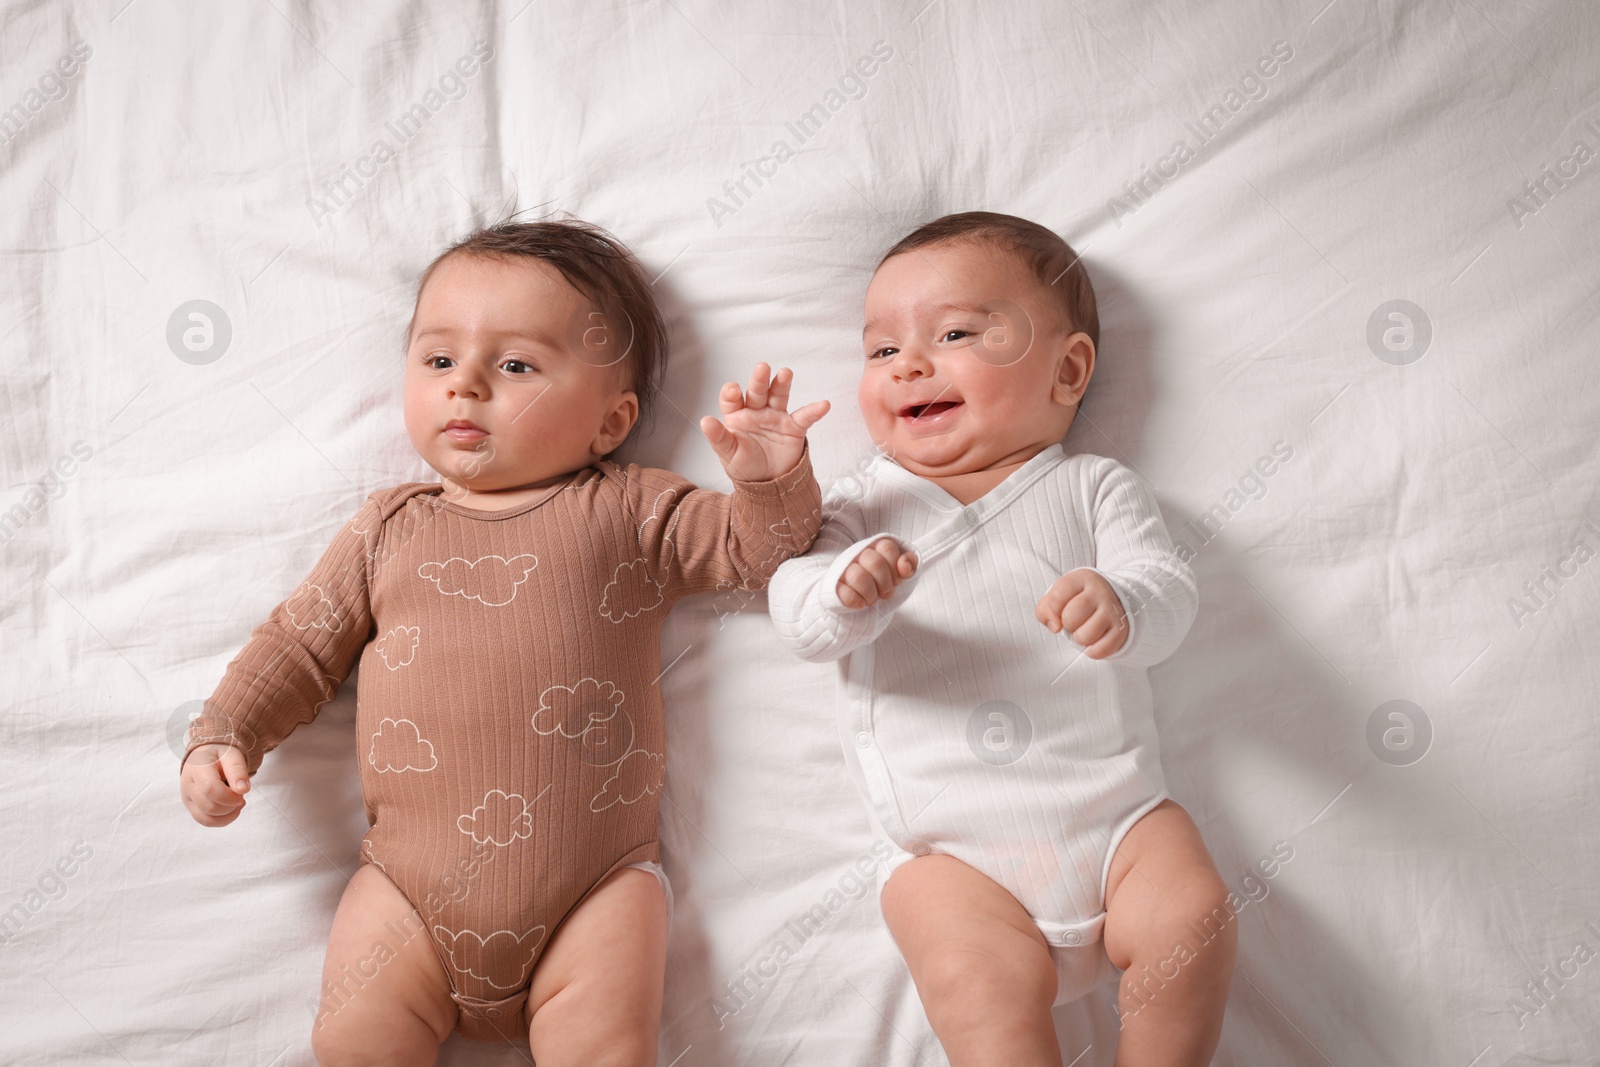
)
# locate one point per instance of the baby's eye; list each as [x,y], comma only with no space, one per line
[886,351]
[955,335]
[439,361]
[517,366]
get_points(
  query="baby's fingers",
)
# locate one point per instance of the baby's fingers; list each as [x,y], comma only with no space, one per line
[1056,598]
[1080,611]
[848,596]
[206,816]
[865,581]
[875,574]
[720,438]
[857,589]
[778,395]
[807,416]
[756,395]
[1048,610]
[210,800]
[216,803]
[1092,629]
[1102,636]
[234,770]
[214,791]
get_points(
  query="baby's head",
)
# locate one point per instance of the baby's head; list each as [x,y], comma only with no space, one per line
[980,340]
[533,350]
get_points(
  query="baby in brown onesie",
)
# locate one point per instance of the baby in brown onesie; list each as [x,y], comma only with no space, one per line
[507,622]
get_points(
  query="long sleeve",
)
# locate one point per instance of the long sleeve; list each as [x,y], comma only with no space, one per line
[697,540]
[1135,554]
[803,598]
[295,661]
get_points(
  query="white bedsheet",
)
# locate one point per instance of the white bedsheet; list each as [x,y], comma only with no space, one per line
[228,153]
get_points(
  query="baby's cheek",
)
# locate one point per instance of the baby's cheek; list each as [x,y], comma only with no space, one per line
[872,404]
[414,408]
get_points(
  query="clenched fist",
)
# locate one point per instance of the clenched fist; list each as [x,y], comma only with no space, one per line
[213,783]
[875,573]
[1084,605]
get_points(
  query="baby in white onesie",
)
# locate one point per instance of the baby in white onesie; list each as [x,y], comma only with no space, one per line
[993,603]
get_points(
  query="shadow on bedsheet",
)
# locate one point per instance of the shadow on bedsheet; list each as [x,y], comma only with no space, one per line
[1246,694]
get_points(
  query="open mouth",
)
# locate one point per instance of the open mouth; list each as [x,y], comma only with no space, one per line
[928,411]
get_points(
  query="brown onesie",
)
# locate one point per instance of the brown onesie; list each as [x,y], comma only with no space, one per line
[508,722]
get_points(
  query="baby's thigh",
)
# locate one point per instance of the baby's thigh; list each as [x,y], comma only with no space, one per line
[596,992]
[1161,887]
[959,930]
[385,997]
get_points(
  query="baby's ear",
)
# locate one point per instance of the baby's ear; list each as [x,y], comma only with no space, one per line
[1074,366]
[619,420]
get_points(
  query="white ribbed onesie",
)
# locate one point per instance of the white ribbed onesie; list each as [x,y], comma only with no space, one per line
[968,727]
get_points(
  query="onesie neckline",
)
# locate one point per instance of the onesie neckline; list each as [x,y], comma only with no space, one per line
[436,490]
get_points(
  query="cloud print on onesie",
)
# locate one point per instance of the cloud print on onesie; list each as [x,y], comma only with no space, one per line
[638,773]
[399,746]
[655,516]
[311,609]
[398,647]
[470,952]
[574,710]
[490,580]
[632,590]
[501,819]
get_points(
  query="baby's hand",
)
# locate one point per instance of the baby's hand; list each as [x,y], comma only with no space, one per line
[760,438]
[875,573]
[1085,605]
[213,783]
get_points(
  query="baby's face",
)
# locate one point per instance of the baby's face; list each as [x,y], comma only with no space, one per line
[501,391]
[969,363]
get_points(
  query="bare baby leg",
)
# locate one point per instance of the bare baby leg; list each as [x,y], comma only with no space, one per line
[1168,927]
[596,994]
[981,967]
[595,997]
[385,997]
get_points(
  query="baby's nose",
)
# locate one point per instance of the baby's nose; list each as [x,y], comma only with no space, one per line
[910,364]
[467,385]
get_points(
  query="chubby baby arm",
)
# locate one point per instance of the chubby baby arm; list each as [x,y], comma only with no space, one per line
[293,663]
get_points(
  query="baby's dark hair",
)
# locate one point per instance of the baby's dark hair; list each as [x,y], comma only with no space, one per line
[603,270]
[1050,258]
